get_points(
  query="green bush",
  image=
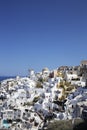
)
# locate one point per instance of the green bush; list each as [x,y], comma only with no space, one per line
[39,85]
[41,80]
[36,99]
[71,87]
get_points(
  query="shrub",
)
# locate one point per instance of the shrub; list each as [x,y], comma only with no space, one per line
[67,83]
[41,80]
[36,99]
[39,85]
[71,87]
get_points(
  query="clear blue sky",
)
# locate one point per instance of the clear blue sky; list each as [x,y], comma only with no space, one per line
[41,33]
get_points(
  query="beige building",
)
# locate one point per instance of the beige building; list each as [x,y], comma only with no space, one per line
[54,74]
[83,62]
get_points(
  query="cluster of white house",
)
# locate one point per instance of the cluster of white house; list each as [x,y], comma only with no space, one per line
[17,95]
[26,106]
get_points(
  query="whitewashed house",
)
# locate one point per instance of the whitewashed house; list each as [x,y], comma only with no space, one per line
[51,80]
[47,96]
[17,114]
[1,105]
[69,76]
[8,114]
[22,93]
[1,124]
[31,74]
[45,72]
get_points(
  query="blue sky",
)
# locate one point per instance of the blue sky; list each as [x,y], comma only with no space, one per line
[41,33]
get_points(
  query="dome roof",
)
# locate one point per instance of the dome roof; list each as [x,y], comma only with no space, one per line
[45,69]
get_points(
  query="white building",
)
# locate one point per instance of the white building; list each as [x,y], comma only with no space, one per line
[45,72]
[1,104]
[69,76]
[1,124]
[31,74]
[8,114]
[17,113]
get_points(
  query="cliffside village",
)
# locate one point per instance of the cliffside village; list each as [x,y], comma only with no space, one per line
[29,103]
